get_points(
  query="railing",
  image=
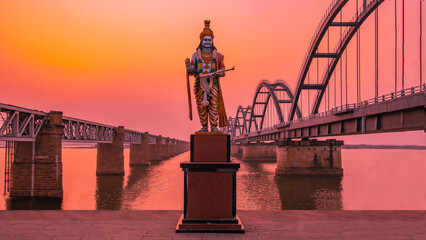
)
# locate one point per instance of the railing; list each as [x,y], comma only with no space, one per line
[353,106]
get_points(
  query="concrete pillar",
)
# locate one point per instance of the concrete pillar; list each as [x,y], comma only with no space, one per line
[182,147]
[110,157]
[139,153]
[165,151]
[179,147]
[259,152]
[173,148]
[237,150]
[37,168]
[187,147]
[309,157]
[155,149]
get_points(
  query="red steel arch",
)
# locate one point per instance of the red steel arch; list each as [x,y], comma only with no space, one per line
[270,89]
[242,119]
[327,22]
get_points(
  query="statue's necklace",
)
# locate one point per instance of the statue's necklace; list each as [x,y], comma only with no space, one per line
[206,56]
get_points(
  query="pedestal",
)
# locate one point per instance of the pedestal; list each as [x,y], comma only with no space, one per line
[210,187]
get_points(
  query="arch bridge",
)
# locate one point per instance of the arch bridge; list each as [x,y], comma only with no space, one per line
[324,102]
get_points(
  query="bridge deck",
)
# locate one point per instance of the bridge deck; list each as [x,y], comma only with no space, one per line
[259,225]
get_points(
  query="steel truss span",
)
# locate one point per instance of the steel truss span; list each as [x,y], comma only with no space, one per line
[22,124]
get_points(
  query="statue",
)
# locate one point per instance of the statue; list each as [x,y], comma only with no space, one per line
[207,66]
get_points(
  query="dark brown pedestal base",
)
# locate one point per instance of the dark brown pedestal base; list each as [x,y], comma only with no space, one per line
[216,226]
[210,187]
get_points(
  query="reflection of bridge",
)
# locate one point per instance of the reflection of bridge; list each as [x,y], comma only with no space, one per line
[33,165]
[277,113]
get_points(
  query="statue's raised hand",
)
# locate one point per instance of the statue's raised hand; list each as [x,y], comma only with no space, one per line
[188,64]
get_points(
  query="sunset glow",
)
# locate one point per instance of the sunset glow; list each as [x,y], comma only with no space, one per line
[122,62]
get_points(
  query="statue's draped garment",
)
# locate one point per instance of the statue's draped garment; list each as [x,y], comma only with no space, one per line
[215,110]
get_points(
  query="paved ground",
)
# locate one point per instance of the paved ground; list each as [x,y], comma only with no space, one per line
[160,225]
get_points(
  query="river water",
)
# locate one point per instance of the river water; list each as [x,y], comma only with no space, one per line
[390,179]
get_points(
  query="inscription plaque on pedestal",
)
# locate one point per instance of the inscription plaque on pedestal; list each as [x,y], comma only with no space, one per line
[210,187]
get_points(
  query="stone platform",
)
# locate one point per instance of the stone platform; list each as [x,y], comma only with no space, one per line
[159,225]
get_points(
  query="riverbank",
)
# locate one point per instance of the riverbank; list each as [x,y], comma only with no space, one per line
[161,224]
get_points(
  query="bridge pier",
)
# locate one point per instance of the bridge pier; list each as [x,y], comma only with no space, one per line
[309,157]
[182,146]
[173,150]
[165,150]
[110,157]
[179,147]
[237,150]
[259,152]
[37,168]
[155,149]
[139,152]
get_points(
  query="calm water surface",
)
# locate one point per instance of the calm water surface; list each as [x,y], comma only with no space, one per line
[373,180]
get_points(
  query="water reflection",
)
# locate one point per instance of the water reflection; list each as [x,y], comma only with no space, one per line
[256,189]
[137,173]
[34,204]
[109,192]
[397,176]
[310,192]
[137,184]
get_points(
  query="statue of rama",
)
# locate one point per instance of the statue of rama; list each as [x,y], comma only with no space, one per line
[207,66]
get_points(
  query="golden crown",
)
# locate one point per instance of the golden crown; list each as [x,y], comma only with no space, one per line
[206,31]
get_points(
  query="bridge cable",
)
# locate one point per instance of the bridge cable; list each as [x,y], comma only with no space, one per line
[403,43]
[309,101]
[328,63]
[346,76]
[396,46]
[301,101]
[341,63]
[357,62]
[334,72]
[335,84]
[270,113]
[317,59]
[421,31]
[377,53]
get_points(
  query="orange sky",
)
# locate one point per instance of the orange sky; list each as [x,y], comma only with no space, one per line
[122,62]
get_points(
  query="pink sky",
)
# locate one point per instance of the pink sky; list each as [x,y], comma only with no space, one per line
[122,62]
